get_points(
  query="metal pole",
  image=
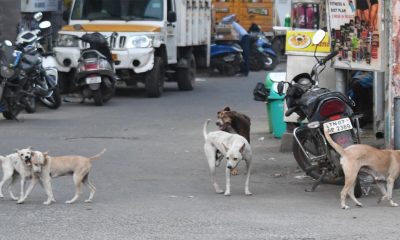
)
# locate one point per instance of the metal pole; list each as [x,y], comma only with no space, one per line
[396,123]
[379,104]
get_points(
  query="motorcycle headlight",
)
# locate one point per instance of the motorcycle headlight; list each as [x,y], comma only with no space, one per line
[140,42]
[65,40]
[6,72]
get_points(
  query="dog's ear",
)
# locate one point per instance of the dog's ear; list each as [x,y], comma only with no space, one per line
[242,148]
[226,148]
[32,153]
[227,109]
[30,147]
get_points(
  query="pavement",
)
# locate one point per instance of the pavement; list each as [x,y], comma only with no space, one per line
[153,182]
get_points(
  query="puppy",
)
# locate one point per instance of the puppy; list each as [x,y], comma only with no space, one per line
[374,161]
[18,163]
[234,147]
[77,166]
[233,122]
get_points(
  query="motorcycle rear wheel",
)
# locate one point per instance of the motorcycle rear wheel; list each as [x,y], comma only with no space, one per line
[98,97]
[304,164]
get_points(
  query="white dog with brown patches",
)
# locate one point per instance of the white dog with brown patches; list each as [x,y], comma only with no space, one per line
[77,166]
[234,148]
[377,162]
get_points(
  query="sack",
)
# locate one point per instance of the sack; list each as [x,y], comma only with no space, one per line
[260,93]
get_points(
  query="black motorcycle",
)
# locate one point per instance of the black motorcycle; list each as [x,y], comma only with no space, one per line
[95,75]
[42,78]
[321,108]
[15,94]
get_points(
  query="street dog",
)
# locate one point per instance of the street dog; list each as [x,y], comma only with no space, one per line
[18,163]
[77,166]
[379,163]
[234,148]
[233,122]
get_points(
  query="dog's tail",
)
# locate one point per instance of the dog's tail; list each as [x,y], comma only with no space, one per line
[335,146]
[97,156]
[205,128]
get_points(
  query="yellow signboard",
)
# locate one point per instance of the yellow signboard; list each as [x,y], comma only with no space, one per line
[301,41]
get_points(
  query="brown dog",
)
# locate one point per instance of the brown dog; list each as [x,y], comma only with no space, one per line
[377,163]
[233,122]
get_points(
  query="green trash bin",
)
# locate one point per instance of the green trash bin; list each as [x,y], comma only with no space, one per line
[276,111]
[270,80]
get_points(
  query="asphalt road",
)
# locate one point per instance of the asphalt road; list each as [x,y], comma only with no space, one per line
[153,181]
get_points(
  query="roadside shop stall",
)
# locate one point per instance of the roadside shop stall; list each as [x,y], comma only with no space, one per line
[357,33]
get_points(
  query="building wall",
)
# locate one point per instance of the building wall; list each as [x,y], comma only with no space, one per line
[9,17]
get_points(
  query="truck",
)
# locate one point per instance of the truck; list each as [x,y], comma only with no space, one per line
[260,12]
[156,40]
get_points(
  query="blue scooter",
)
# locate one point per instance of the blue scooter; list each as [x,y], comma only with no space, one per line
[262,56]
[226,58]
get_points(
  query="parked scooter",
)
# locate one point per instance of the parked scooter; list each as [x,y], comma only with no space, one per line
[226,58]
[43,73]
[262,56]
[14,97]
[95,75]
[320,105]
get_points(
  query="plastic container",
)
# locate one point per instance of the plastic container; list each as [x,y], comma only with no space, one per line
[276,111]
[270,80]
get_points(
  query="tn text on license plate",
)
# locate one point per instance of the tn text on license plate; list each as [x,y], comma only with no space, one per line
[340,125]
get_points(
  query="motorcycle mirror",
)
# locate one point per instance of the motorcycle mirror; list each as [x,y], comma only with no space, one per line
[280,87]
[38,16]
[315,124]
[45,24]
[318,37]
[8,43]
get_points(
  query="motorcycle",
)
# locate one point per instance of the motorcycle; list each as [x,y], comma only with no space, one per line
[42,72]
[262,56]
[14,97]
[95,75]
[226,58]
[322,108]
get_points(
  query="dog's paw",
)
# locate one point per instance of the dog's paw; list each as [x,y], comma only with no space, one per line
[1,196]
[20,201]
[88,200]
[393,204]
[359,204]
[248,193]
[47,202]
[345,207]
[227,193]
[219,190]
[69,202]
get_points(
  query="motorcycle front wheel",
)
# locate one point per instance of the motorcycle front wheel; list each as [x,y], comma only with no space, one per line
[53,101]
[270,62]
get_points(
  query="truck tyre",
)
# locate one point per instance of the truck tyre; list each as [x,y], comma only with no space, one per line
[186,76]
[155,79]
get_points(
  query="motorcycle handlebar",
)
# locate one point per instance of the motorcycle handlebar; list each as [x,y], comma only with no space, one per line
[329,57]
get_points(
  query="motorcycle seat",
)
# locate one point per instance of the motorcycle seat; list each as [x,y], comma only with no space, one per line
[312,99]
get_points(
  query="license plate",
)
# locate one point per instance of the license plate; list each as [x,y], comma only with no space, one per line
[91,80]
[340,125]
